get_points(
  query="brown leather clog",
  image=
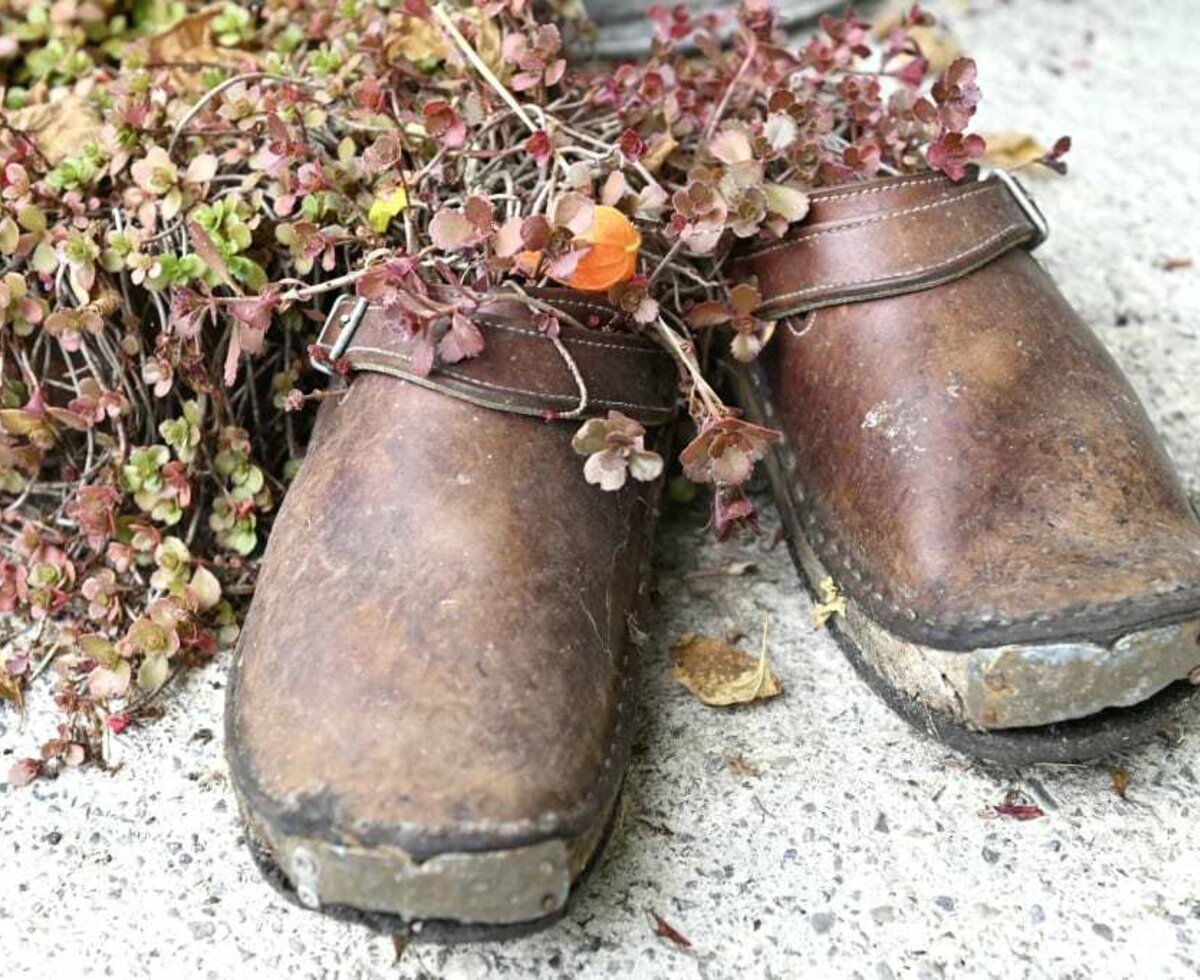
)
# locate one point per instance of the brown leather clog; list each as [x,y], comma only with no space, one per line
[429,711]
[968,465]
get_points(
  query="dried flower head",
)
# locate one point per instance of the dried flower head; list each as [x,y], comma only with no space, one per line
[615,448]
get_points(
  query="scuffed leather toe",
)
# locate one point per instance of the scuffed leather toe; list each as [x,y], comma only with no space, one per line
[968,464]
[432,682]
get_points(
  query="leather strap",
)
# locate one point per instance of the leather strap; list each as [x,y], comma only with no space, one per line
[886,237]
[521,369]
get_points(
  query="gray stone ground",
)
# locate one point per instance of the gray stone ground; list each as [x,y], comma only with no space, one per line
[839,843]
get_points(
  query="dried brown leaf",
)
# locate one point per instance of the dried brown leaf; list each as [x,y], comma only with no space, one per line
[399,945]
[719,675]
[1120,782]
[832,603]
[1011,149]
[421,41]
[11,689]
[189,39]
[664,930]
[661,147]
[939,46]
[188,47]
[742,766]
[658,828]
[59,129]
[418,41]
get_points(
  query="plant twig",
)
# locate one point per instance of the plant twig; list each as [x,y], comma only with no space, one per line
[447,23]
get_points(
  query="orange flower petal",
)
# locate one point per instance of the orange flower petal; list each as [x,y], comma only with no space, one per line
[527,261]
[613,256]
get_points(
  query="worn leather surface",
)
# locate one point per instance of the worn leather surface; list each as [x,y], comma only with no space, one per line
[523,370]
[436,653]
[967,459]
[883,238]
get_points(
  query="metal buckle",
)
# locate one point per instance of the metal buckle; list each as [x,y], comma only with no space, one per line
[349,324]
[1024,201]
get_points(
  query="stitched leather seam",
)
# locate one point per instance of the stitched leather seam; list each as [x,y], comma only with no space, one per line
[608,311]
[874,219]
[919,270]
[810,321]
[885,189]
[467,379]
[571,341]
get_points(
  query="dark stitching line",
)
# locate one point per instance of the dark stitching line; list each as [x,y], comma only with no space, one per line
[874,219]
[467,379]
[894,276]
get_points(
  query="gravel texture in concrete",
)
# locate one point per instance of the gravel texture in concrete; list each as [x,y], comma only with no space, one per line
[814,835]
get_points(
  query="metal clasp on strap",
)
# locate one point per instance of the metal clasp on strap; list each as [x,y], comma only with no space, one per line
[1024,201]
[348,323]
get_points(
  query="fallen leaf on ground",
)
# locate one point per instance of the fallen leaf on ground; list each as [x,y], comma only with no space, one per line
[832,603]
[1019,811]
[719,675]
[1120,782]
[10,689]
[659,828]
[938,44]
[1010,149]
[665,930]
[742,766]
[399,945]
[59,129]
[189,39]
[188,46]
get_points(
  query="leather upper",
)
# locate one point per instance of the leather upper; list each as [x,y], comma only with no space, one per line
[966,458]
[435,657]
